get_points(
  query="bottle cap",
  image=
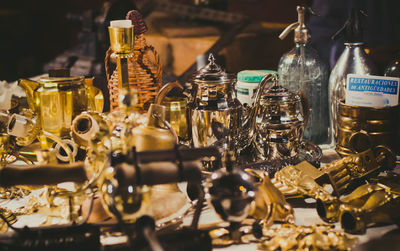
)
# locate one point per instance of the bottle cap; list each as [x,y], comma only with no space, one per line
[253,76]
[301,32]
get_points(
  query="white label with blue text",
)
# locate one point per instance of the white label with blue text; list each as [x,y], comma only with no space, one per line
[372,91]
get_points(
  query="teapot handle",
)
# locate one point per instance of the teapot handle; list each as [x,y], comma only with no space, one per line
[165,90]
[305,104]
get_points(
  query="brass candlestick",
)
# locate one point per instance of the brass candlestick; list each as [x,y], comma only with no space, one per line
[122,42]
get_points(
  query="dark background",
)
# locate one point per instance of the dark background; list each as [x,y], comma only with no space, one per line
[34,32]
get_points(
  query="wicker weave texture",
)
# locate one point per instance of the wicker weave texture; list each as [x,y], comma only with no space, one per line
[144,70]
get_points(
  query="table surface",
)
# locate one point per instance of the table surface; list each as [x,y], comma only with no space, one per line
[303,216]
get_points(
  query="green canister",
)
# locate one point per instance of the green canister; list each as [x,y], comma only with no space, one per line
[247,83]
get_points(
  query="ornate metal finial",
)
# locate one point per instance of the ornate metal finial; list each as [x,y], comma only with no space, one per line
[211,58]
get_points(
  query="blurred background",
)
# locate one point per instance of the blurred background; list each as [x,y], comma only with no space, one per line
[43,34]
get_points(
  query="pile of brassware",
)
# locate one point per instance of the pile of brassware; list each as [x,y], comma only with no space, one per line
[164,155]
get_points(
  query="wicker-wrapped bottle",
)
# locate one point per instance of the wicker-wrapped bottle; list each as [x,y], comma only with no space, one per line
[144,68]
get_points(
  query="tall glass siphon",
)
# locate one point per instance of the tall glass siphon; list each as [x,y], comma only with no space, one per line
[301,69]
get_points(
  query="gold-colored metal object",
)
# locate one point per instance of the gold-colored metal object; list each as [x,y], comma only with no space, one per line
[129,201]
[121,39]
[27,130]
[95,96]
[125,201]
[24,127]
[379,123]
[124,120]
[305,179]
[300,179]
[368,205]
[176,110]
[317,237]
[9,151]
[56,101]
[8,216]
[270,203]
[343,172]
[374,203]
[154,135]
[122,43]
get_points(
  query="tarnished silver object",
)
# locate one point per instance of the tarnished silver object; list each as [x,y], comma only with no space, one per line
[217,117]
[280,122]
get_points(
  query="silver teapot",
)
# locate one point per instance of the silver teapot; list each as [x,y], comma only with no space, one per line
[217,117]
[280,122]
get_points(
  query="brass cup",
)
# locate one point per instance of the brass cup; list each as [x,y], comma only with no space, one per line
[121,39]
[363,113]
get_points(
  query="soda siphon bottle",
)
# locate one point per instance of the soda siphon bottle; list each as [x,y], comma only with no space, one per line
[353,60]
[302,69]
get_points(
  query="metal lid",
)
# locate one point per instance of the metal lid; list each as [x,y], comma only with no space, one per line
[63,80]
[212,73]
[276,92]
[60,76]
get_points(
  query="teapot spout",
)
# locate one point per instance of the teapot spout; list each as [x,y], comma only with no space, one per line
[29,87]
[250,121]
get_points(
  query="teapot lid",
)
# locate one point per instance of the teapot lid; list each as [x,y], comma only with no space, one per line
[278,92]
[60,75]
[212,73]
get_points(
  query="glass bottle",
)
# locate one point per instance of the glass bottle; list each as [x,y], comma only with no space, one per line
[353,60]
[301,69]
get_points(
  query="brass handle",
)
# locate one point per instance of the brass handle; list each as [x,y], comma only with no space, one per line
[165,90]
[305,106]
[64,146]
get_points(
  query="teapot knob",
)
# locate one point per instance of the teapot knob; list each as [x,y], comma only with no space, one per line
[211,58]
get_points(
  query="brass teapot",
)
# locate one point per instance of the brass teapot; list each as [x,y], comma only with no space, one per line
[215,115]
[56,100]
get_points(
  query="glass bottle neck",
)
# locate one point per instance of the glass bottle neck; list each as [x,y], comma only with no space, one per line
[299,45]
[354,45]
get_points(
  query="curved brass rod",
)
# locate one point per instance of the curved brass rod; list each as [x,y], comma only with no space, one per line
[62,144]
[165,90]
[24,159]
